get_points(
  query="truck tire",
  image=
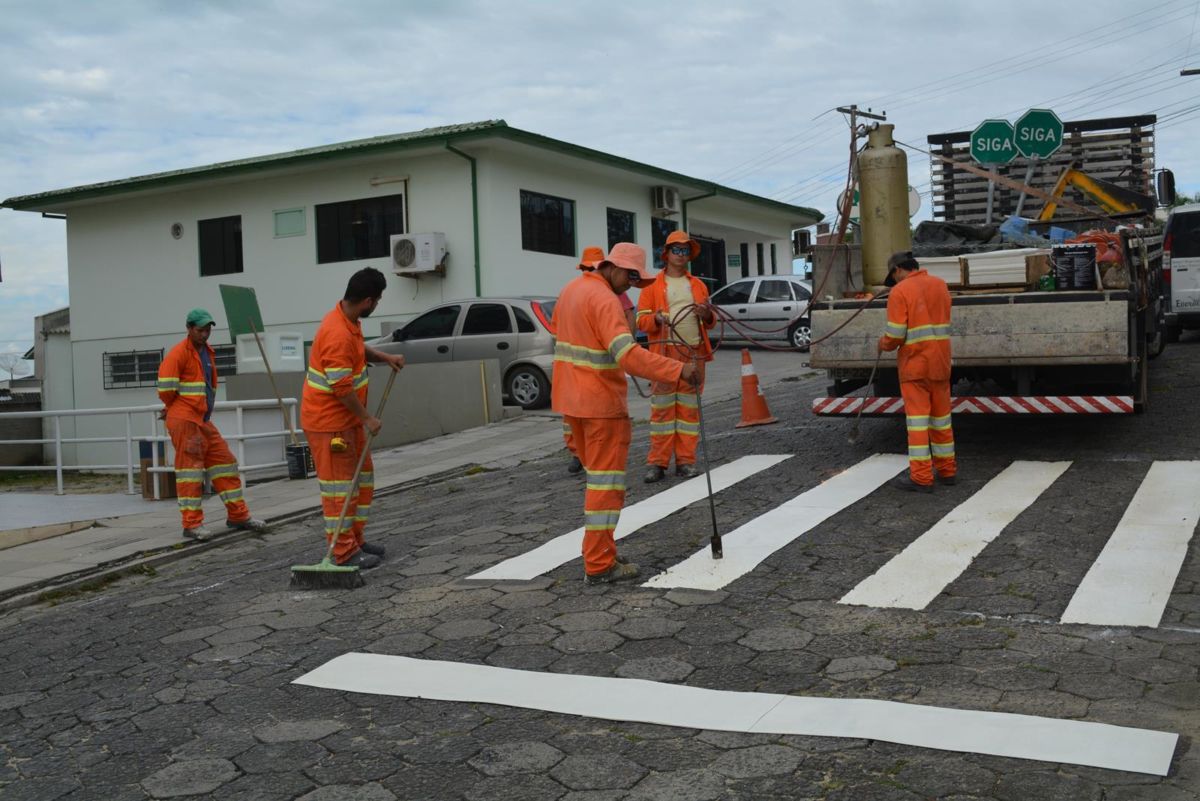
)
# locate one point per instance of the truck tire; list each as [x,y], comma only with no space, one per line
[1156,346]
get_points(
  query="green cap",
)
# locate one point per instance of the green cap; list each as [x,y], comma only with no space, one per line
[199,317]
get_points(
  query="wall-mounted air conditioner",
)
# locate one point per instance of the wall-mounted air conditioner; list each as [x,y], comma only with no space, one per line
[664,200]
[417,254]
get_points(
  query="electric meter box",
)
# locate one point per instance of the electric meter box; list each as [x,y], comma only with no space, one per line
[285,353]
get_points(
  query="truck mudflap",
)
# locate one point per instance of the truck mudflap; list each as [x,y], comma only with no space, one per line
[977,404]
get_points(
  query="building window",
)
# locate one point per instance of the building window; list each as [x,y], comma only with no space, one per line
[547,224]
[774,261]
[358,229]
[226,360]
[220,246]
[621,227]
[132,368]
[289,222]
[758,248]
[660,229]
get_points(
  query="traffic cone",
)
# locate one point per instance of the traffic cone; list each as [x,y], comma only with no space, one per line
[754,405]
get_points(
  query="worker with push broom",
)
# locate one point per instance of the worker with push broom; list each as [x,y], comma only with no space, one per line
[336,422]
[918,324]
[593,352]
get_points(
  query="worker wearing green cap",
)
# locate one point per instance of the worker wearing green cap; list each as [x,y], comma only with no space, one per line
[187,385]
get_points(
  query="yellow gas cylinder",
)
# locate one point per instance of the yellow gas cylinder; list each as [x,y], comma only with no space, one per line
[883,203]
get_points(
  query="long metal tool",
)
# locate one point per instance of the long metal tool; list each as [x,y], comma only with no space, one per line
[853,435]
[715,541]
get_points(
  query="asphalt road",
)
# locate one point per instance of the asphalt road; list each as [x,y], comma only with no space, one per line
[179,684]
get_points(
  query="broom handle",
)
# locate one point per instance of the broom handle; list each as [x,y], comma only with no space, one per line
[287,421]
[362,457]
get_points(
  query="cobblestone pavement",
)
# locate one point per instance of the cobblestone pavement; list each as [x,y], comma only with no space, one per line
[178,684]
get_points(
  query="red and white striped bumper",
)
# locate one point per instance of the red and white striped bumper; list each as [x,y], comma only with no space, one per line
[1027,404]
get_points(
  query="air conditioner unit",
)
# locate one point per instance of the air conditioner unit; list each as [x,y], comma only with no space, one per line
[414,254]
[664,200]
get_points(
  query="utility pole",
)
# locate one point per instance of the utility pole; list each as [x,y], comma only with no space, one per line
[848,201]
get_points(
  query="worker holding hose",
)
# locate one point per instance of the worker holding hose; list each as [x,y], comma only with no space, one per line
[679,299]
[593,352]
[918,324]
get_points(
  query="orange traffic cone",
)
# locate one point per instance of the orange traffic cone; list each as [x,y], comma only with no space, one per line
[754,405]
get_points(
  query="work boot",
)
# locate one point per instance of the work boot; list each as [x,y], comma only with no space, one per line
[908,485]
[361,560]
[686,470]
[575,465]
[249,524]
[949,481]
[654,474]
[620,571]
[200,533]
[373,549]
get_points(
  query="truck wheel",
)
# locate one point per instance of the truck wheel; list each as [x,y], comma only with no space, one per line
[1172,333]
[1156,346]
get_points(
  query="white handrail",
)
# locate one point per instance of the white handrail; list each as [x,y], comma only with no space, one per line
[239,438]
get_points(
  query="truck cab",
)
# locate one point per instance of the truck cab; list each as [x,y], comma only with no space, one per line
[1181,270]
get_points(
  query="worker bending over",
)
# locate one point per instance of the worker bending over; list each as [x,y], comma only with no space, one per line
[187,386]
[593,353]
[674,406]
[333,413]
[918,323]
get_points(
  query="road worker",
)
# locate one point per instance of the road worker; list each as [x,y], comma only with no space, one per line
[594,351]
[333,413]
[918,323]
[674,408]
[187,386]
[591,257]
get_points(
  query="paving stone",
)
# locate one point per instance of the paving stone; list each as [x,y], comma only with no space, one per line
[1155,671]
[266,787]
[40,789]
[346,792]
[192,777]
[680,785]
[1100,685]
[188,635]
[236,635]
[1045,786]
[462,629]
[409,643]
[440,748]
[1043,703]
[859,667]
[655,669]
[675,753]
[696,597]
[1017,678]
[290,731]
[526,787]
[525,600]
[524,657]
[588,642]
[776,639]
[597,772]
[1183,695]
[226,653]
[585,621]
[647,628]
[516,757]
[531,634]
[761,760]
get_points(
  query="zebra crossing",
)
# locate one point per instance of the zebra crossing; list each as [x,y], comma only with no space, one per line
[1129,582]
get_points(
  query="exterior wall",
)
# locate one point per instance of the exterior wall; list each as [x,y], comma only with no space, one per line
[20,428]
[58,392]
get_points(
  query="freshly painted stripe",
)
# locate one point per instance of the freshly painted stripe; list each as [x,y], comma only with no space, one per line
[749,544]
[1130,582]
[916,575]
[563,549]
[1074,742]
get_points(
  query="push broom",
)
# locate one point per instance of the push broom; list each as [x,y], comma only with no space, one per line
[327,574]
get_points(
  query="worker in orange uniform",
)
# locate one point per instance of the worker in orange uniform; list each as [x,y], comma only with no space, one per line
[187,386]
[918,323]
[593,353]
[333,413]
[674,407]
[591,257]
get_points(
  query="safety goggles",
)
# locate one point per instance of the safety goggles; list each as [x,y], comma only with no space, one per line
[680,250]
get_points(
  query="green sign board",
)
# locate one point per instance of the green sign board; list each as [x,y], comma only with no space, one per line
[993,142]
[1039,132]
[241,310]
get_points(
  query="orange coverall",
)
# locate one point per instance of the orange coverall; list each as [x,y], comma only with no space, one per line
[627,309]
[674,410]
[337,366]
[918,323]
[591,357]
[199,447]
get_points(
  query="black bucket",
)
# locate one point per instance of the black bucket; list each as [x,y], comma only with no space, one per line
[300,462]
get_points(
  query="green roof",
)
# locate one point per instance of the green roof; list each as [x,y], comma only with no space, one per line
[446,134]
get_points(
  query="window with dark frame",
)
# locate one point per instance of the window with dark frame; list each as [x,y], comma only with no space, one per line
[226,360]
[220,245]
[660,229]
[132,368]
[621,227]
[547,224]
[487,318]
[358,229]
[758,248]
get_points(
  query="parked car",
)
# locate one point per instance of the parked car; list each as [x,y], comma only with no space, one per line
[767,303]
[1181,269]
[516,331]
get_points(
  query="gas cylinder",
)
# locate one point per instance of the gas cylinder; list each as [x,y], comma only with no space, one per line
[883,203]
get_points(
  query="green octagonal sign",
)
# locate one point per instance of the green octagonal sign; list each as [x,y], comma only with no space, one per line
[1039,133]
[993,142]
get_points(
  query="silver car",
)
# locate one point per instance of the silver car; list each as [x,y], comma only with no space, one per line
[515,331]
[776,305]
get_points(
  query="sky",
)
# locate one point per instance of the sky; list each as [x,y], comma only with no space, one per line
[741,94]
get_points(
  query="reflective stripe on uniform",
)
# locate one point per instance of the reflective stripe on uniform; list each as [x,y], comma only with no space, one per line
[917,422]
[193,388]
[188,503]
[685,428]
[333,489]
[662,401]
[189,475]
[687,399]
[230,496]
[896,330]
[942,449]
[620,345]
[940,423]
[223,471]
[600,519]
[662,429]
[927,333]
[584,357]
[366,479]
[606,480]
[918,453]
[168,384]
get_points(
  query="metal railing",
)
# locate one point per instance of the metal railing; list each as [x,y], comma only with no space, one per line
[239,438]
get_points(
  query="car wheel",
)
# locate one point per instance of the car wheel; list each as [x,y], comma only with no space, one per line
[527,386]
[800,336]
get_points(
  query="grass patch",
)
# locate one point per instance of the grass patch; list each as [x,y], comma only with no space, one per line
[475,470]
[55,597]
[1011,590]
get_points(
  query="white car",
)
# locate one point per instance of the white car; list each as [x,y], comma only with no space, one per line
[772,307]
[1181,269]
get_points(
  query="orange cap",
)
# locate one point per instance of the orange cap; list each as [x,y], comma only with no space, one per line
[632,258]
[591,257]
[681,238]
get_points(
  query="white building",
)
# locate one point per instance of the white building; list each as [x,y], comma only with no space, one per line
[516,209]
